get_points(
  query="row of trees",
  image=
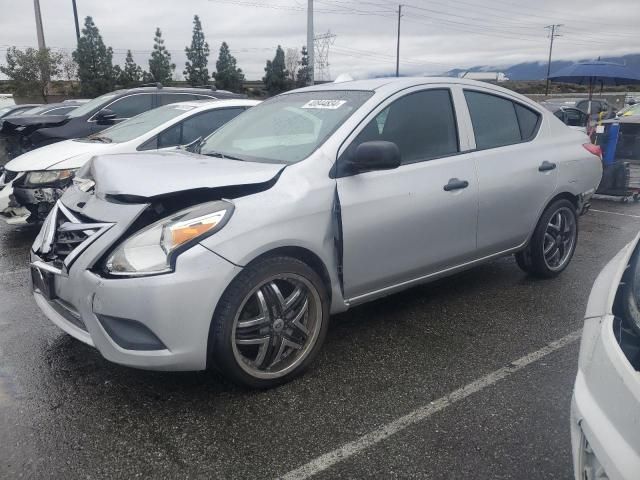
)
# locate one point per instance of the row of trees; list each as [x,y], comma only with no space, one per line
[92,65]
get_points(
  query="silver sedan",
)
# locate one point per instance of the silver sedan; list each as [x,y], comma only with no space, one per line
[310,203]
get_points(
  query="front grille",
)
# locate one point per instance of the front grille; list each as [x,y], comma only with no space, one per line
[66,241]
[64,235]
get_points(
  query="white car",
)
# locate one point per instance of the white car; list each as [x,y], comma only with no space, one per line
[33,182]
[605,410]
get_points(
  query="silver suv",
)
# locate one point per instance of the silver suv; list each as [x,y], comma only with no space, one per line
[312,202]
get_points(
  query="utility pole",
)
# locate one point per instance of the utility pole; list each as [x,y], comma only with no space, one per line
[552,35]
[39,31]
[398,42]
[75,17]
[310,41]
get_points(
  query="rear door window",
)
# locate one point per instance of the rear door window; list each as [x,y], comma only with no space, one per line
[498,122]
[132,105]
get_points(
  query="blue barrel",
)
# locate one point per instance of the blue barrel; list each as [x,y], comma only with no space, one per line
[610,143]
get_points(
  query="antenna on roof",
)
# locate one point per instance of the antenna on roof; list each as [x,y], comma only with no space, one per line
[343,77]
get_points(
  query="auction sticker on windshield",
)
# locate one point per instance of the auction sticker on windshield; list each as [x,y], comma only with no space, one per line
[324,104]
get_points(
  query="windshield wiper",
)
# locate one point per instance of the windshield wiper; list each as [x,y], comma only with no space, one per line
[100,139]
[223,156]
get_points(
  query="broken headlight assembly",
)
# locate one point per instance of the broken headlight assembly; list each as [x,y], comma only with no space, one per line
[153,249]
[48,177]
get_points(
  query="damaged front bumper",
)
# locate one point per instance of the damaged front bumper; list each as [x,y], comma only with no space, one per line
[158,322]
[21,204]
[11,211]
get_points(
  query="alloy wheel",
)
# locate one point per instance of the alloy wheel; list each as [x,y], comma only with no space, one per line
[559,238]
[276,326]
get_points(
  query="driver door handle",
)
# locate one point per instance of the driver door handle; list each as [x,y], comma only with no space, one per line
[546,166]
[455,184]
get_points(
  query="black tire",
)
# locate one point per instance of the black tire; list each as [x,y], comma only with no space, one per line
[223,350]
[532,258]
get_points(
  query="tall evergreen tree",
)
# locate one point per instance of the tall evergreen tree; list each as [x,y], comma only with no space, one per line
[132,74]
[228,76]
[303,77]
[160,66]
[95,62]
[275,78]
[31,70]
[196,72]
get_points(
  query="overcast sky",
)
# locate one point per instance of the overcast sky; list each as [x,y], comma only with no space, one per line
[437,35]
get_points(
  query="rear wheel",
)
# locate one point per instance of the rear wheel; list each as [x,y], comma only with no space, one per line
[270,323]
[553,241]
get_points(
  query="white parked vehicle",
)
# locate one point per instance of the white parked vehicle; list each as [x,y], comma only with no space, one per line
[605,410]
[33,182]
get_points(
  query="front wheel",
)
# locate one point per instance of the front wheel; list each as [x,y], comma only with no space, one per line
[270,323]
[553,241]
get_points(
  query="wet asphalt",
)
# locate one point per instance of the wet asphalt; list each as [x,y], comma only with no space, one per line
[67,413]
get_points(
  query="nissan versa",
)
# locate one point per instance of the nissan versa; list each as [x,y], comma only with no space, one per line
[305,205]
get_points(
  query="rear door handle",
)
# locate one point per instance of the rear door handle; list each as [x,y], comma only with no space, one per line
[546,166]
[455,184]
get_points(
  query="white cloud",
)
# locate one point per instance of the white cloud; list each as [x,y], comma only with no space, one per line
[436,34]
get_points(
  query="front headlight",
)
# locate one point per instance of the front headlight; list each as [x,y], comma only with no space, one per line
[46,177]
[153,249]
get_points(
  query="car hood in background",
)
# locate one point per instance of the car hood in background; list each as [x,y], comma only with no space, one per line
[67,154]
[153,174]
[31,122]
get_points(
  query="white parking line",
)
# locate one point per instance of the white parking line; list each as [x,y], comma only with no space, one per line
[378,435]
[614,213]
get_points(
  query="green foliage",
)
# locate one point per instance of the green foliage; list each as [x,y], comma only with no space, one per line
[303,77]
[196,72]
[95,62]
[31,70]
[228,76]
[132,74]
[160,66]
[275,78]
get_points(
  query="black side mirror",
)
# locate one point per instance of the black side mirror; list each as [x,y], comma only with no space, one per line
[105,116]
[375,155]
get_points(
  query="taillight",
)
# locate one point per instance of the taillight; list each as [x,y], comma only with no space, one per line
[593,149]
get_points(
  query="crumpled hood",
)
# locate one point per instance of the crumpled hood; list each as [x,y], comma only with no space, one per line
[152,174]
[66,154]
[31,122]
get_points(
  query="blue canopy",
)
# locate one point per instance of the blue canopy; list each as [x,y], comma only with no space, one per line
[596,73]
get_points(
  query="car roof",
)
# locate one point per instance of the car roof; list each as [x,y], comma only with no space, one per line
[214,103]
[628,119]
[193,90]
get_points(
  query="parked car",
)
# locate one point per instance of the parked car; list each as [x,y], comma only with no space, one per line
[605,409]
[34,181]
[570,116]
[11,110]
[100,113]
[629,111]
[314,201]
[15,123]
[600,109]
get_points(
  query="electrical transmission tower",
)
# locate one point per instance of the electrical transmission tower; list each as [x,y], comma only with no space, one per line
[322,44]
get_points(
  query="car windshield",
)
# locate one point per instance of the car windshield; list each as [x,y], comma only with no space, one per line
[35,110]
[5,110]
[285,129]
[139,125]
[91,105]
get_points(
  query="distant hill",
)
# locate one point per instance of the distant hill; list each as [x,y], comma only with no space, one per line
[538,70]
